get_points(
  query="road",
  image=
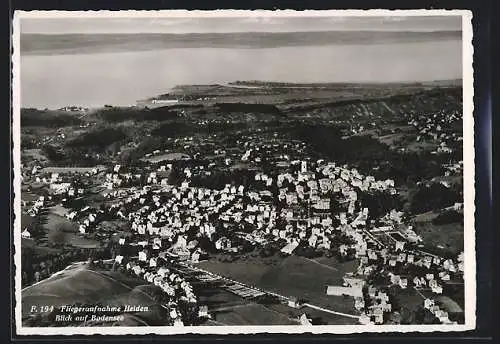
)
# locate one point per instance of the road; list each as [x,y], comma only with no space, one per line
[371,236]
[273,293]
[331,312]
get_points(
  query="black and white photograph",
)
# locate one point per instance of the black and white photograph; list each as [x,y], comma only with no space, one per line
[228,171]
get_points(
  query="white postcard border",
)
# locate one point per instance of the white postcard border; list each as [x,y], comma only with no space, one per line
[469,188]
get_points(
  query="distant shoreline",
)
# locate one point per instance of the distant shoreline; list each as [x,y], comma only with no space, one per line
[64,44]
[262,84]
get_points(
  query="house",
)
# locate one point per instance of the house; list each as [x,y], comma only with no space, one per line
[383,297]
[293,302]
[443,316]
[203,312]
[157,242]
[444,276]
[304,320]
[54,177]
[59,188]
[152,262]
[313,240]
[119,259]
[423,282]
[195,257]
[364,319]
[386,307]
[428,303]
[378,314]
[340,291]
[143,256]
[288,249]
[416,282]
[291,198]
[178,322]
[353,282]
[395,279]
[359,303]
[137,270]
[322,204]
[437,289]
[25,234]
[372,291]
[399,245]
[303,166]
[448,265]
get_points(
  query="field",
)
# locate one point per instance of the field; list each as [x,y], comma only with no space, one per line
[425,217]
[448,304]
[54,224]
[35,154]
[53,220]
[291,276]
[59,210]
[27,221]
[410,301]
[28,197]
[253,314]
[445,239]
[79,284]
[229,309]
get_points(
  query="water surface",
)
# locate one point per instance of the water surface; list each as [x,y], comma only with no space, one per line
[122,78]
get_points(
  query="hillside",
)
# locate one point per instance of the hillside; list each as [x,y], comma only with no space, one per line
[81,285]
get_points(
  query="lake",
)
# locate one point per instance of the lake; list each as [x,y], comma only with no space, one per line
[122,78]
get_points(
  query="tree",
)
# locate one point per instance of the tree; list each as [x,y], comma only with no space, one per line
[378,278]
[450,216]
[52,153]
[433,197]
[57,236]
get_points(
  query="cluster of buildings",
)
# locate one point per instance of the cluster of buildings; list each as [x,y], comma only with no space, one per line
[36,206]
[300,212]
[439,313]
[454,169]
[152,268]
[74,109]
[379,307]
[435,127]
[288,198]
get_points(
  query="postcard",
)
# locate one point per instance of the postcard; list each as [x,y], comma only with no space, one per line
[223,172]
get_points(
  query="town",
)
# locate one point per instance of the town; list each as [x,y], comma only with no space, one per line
[330,213]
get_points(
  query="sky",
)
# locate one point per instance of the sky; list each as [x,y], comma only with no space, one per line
[193,24]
